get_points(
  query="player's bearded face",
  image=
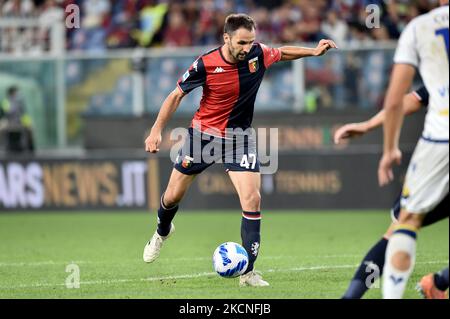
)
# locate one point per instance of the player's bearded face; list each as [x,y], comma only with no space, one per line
[240,43]
[237,52]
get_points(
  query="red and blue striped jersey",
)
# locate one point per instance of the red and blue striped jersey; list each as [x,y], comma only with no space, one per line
[229,90]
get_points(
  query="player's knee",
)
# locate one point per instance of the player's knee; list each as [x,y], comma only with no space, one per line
[252,200]
[401,260]
[171,198]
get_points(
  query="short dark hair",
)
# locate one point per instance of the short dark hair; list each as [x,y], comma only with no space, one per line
[236,21]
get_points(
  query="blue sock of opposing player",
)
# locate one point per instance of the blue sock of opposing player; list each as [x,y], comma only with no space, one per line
[251,236]
[441,279]
[165,216]
[361,281]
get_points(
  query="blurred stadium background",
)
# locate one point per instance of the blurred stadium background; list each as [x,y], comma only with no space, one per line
[93,91]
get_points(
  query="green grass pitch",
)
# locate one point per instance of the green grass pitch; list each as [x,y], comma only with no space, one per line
[312,254]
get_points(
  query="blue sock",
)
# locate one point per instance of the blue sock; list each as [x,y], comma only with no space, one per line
[251,236]
[441,279]
[376,255]
[165,217]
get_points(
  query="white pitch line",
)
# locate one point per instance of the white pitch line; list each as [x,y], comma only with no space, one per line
[56,263]
[52,263]
[41,263]
[190,276]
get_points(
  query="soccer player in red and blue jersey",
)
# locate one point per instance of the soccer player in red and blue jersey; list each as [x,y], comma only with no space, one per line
[230,76]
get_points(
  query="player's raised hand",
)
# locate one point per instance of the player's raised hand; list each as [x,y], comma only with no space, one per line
[349,131]
[385,174]
[324,46]
[153,141]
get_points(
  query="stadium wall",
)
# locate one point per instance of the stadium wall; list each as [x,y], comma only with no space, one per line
[296,131]
[318,179]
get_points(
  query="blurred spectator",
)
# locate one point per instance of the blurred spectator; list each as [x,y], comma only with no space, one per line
[309,27]
[266,32]
[95,13]
[207,31]
[95,18]
[380,34]
[373,74]
[13,39]
[176,34]
[16,123]
[131,23]
[348,9]
[151,18]
[50,13]
[358,35]
[335,28]
[17,8]
[123,19]
[284,21]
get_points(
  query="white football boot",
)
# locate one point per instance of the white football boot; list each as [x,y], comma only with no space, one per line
[252,278]
[153,247]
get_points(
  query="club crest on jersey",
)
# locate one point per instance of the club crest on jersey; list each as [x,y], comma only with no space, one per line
[253,65]
[405,192]
[187,162]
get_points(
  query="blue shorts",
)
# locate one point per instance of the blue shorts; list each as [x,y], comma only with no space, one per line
[200,151]
[438,213]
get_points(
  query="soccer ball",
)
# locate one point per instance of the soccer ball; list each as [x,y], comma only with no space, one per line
[230,260]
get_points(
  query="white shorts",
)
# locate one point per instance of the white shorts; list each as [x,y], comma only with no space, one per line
[426,182]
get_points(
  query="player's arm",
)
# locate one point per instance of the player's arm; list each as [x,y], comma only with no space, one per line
[411,104]
[289,53]
[193,78]
[401,79]
[406,59]
[168,107]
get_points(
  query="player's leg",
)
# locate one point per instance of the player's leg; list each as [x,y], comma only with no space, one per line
[427,285]
[441,279]
[373,263]
[241,162]
[434,285]
[189,163]
[375,257]
[401,254]
[248,185]
[178,185]
[426,185]
[439,213]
